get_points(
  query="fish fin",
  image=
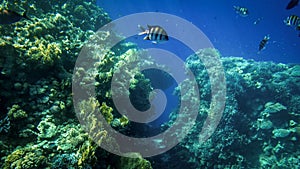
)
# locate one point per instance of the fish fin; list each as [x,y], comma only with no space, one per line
[26,16]
[146,38]
[154,42]
[149,26]
[142,33]
[142,28]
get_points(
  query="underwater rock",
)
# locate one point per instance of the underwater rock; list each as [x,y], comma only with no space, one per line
[265,124]
[295,71]
[272,108]
[281,133]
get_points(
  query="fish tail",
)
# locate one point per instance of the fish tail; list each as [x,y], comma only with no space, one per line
[142,28]
[26,16]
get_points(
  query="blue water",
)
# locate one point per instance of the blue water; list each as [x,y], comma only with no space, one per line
[230,33]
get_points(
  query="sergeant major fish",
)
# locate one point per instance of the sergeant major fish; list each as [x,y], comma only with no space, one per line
[154,33]
[9,17]
[292,20]
[242,11]
[263,42]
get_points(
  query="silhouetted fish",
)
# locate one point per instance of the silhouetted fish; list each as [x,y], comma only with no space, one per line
[263,42]
[292,4]
[154,33]
[9,17]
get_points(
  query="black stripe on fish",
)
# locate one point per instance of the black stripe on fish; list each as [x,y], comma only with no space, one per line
[292,20]
[160,34]
[263,42]
[155,34]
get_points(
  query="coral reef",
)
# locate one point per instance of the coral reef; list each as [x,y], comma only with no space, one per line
[38,125]
[25,158]
[259,127]
[135,161]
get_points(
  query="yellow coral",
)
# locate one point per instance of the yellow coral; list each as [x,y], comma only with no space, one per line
[124,121]
[134,161]
[87,154]
[106,111]
[44,52]
[25,158]
[89,111]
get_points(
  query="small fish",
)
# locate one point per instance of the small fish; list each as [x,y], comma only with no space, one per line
[292,20]
[292,4]
[263,42]
[9,17]
[242,11]
[257,20]
[154,33]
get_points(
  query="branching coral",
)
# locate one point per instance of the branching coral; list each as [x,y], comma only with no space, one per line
[89,116]
[106,111]
[25,158]
[44,53]
[86,154]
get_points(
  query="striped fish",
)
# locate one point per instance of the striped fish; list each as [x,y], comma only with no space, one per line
[242,11]
[156,34]
[292,20]
[263,42]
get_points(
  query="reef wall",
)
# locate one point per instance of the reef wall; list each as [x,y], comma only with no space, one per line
[38,125]
[260,124]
